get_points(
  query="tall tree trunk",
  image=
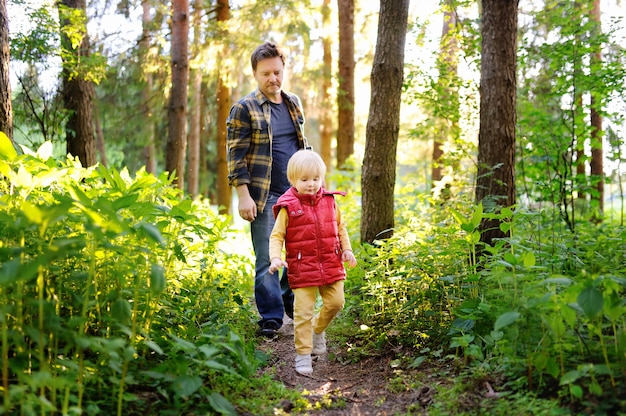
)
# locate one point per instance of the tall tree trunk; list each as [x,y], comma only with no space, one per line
[345,98]
[100,146]
[144,51]
[177,109]
[326,122]
[77,91]
[6,110]
[597,168]
[383,124]
[495,186]
[224,191]
[193,149]
[448,68]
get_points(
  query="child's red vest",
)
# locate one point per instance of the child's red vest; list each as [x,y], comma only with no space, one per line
[313,250]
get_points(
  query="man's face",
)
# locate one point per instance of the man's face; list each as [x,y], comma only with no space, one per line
[269,76]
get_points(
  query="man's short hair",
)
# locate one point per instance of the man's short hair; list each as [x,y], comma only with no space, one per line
[265,51]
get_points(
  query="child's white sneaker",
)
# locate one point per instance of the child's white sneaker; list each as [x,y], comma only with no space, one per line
[319,343]
[303,364]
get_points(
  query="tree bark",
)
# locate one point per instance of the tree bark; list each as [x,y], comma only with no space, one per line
[326,122]
[177,109]
[144,51]
[6,110]
[345,97]
[193,149]
[495,186]
[597,165]
[224,190]
[77,91]
[383,124]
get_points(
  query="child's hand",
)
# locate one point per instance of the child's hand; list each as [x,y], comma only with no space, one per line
[276,264]
[348,256]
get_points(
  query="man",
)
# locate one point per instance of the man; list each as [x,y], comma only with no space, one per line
[265,128]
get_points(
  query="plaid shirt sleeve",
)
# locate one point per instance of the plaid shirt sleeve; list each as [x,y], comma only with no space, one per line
[238,144]
[248,149]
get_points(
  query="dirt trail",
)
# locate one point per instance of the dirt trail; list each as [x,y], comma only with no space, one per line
[361,386]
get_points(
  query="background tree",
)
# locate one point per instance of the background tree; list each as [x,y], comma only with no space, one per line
[144,44]
[195,98]
[383,124]
[224,191]
[597,154]
[495,185]
[177,107]
[345,93]
[326,123]
[78,86]
[447,90]
[6,110]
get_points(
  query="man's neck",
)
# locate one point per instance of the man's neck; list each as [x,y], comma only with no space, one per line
[275,98]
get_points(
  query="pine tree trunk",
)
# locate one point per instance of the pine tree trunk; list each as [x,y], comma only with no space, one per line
[597,154]
[326,122]
[383,124]
[78,94]
[345,98]
[6,110]
[193,148]
[177,108]
[146,93]
[224,190]
[495,185]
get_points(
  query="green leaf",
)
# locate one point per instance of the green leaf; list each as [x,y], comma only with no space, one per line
[23,179]
[221,405]
[528,259]
[154,347]
[505,319]
[44,152]
[124,201]
[7,150]
[157,279]
[510,257]
[570,377]
[457,216]
[186,385]
[595,388]
[506,212]
[417,361]
[591,301]
[477,216]
[121,310]
[32,212]
[552,367]
[150,231]
[576,390]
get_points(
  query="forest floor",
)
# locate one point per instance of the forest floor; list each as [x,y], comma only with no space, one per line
[357,388]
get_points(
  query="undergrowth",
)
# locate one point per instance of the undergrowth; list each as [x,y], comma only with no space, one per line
[117,296]
[542,312]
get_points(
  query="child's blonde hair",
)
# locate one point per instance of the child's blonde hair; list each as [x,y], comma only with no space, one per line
[305,162]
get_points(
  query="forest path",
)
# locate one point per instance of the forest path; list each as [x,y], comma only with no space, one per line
[359,388]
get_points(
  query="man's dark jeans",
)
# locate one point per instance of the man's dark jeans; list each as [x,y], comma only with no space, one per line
[272,294]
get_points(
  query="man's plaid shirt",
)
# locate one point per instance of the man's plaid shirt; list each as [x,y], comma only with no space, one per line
[249,142]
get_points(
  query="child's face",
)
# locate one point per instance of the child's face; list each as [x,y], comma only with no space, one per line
[308,184]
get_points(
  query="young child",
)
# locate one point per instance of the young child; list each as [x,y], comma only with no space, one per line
[316,242]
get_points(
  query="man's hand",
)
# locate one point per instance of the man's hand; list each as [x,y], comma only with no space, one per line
[247,206]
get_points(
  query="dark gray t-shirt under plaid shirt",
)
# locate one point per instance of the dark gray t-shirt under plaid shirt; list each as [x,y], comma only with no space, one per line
[248,149]
[284,145]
